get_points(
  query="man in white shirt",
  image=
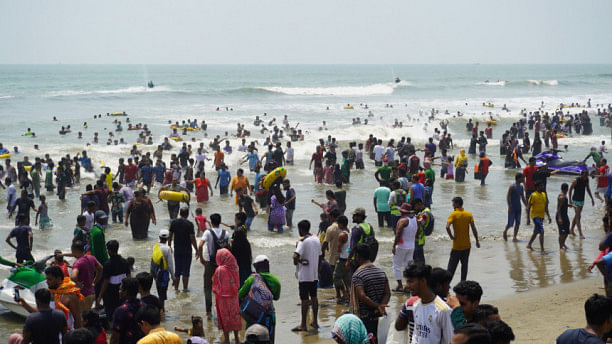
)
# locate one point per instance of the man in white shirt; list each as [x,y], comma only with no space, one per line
[209,259]
[89,215]
[11,194]
[306,257]
[200,156]
[289,154]
[379,152]
[432,316]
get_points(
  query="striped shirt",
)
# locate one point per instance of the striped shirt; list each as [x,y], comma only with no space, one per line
[373,280]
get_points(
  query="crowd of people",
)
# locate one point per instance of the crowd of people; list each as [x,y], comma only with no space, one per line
[100,292]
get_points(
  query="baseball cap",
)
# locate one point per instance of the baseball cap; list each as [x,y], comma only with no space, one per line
[100,214]
[164,233]
[359,211]
[257,332]
[260,259]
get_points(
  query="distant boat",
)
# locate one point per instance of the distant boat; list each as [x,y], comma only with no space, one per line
[397,80]
[150,84]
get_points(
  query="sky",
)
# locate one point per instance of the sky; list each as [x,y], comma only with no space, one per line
[305,32]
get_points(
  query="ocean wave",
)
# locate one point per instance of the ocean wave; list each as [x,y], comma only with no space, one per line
[370,90]
[492,83]
[543,82]
[128,90]
[6,97]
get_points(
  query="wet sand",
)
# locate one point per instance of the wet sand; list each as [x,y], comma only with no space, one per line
[540,316]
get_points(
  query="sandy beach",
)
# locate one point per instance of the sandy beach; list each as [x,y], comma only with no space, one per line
[540,316]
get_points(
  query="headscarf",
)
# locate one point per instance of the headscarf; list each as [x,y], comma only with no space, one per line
[461,159]
[226,280]
[351,330]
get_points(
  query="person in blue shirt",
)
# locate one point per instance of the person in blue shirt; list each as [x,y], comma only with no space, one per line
[146,175]
[159,170]
[86,162]
[598,309]
[3,150]
[223,179]
[252,158]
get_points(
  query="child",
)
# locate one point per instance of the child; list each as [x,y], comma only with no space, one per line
[201,221]
[145,281]
[323,226]
[59,261]
[196,332]
[108,178]
[329,173]
[248,206]
[45,221]
[81,233]
[117,200]
[449,170]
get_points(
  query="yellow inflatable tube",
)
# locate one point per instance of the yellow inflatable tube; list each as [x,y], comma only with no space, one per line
[176,138]
[492,122]
[5,156]
[118,114]
[174,196]
[489,105]
[348,108]
[279,172]
[27,167]
[559,136]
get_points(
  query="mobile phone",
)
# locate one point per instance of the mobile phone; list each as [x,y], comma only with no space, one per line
[16,294]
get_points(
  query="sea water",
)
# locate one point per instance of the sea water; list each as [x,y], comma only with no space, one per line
[30,96]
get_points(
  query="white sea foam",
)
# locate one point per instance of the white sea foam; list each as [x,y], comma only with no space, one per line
[543,82]
[492,83]
[128,90]
[369,90]
[6,97]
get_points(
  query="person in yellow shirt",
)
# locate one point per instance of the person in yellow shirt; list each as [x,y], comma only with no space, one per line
[148,319]
[461,222]
[240,181]
[537,206]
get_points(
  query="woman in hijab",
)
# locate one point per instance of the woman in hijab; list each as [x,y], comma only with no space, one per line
[139,213]
[226,283]
[349,329]
[241,250]
[276,216]
[461,164]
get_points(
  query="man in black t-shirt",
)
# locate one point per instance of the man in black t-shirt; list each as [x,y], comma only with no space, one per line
[183,233]
[45,325]
[114,271]
[23,206]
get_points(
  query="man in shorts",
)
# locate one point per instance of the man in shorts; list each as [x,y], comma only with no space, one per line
[515,196]
[306,257]
[537,206]
[602,180]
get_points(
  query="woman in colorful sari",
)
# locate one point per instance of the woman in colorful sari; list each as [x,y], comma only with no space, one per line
[226,283]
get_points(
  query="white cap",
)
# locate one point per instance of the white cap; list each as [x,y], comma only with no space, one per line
[261,258]
[164,233]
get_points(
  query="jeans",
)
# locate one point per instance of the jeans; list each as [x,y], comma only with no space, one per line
[248,222]
[289,217]
[382,217]
[457,256]
[223,189]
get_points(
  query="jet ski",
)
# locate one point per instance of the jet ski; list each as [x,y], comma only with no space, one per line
[555,162]
[25,280]
[150,84]
[397,80]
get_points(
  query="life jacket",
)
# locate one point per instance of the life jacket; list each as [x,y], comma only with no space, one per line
[426,226]
[399,199]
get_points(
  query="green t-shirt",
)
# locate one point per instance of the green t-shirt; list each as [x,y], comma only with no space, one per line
[430,175]
[382,198]
[271,281]
[98,244]
[384,172]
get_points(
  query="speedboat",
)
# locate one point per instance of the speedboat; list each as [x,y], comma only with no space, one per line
[555,162]
[25,280]
[397,80]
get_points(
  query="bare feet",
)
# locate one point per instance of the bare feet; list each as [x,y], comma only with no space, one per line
[514,239]
[529,247]
[314,325]
[505,236]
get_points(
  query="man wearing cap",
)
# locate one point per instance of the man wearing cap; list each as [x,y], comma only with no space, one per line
[261,263]
[23,234]
[359,234]
[257,334]
[162,266]
[97,241]
[406,233]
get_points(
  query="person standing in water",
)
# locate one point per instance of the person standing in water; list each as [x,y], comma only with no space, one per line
[563,222]
[514,197]
[576,194]
[537,206]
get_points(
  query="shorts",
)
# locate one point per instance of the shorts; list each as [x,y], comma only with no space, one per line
[514,218]
[538,226]
[578,203]
[308,290]
[601,190]
[182,264]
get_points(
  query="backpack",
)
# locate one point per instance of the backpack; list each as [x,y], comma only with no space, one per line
[400,197]
[369,239]
[218,243]
[257,305]
[429,226]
